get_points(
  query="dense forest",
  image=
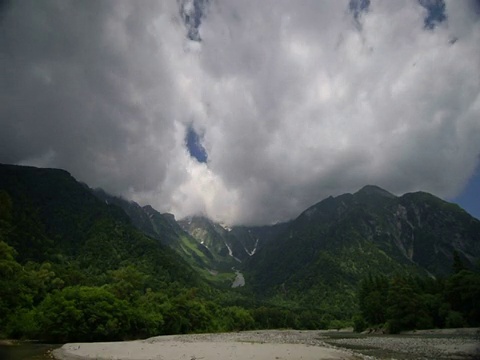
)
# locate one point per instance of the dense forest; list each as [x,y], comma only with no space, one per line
[406,303]
[75,268]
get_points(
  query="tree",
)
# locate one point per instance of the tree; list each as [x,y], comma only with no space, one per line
[237,319]
[127,282]
[81,313]
[405,310]
[372,299]
[148,317]
[14,292]
[458,264]
[462,291]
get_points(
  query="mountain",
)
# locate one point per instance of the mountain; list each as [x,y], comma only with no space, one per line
[199,240]
[214,237]
[325,252]
[237,242]
[52,217]
[126,270]
[253,238]
[163,227]
[73,268]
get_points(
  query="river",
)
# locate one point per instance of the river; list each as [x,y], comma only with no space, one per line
[26,351]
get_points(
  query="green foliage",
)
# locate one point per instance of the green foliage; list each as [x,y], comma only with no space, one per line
[454,320]
[236,319]
[127,282]
[372,299]
[14,290]
[22,324]
[359,323]
[405,310]
[458,264]
[73,268]
[321,256]
[148,319]
[419,303]
[83,313]
[462,291]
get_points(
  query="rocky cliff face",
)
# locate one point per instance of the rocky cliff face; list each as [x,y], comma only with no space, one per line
[164,228]
[416,227]
[237,242]
[332,245]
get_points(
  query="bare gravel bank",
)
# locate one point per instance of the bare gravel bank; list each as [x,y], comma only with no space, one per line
[460,344]
[255,345]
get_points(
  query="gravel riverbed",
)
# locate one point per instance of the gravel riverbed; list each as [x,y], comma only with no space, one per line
[433,344]
[287,345]
[426,345]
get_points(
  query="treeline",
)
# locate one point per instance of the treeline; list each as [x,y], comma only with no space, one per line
[36,304]
[405,303]
[58,303]
[73,268]
[118,310]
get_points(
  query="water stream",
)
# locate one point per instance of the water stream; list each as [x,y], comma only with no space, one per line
[26,351]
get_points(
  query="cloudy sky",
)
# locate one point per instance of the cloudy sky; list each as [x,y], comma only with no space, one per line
[246,111]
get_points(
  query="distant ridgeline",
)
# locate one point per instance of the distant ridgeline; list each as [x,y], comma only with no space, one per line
[78,264]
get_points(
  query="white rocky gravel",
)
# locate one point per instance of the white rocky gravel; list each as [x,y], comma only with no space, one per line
[431,344]
[284,345]
[253,345]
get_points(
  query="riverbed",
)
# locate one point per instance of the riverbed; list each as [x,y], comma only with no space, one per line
[460,344]
[438,344]
[26,351]
[457,344]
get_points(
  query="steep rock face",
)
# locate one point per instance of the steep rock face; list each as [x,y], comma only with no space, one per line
[211,235]
[164,228]
[135,212]
[433,229]
[238,242]
[253,238]
[417,227]
[317,258]
[55,219]
[337,242]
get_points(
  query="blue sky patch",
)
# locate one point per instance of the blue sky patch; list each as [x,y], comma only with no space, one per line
[469,199]
[358,6]
[436,12]
[194,146]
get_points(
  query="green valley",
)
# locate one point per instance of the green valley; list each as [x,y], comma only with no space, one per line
[78,264]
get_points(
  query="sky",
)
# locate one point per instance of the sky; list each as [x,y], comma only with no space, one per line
[247,112]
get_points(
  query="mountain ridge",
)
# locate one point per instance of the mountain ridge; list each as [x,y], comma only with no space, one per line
[340,240]
[329,209]
[239,243]
[315,261]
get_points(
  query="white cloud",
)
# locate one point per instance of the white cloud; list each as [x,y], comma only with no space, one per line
[295,101]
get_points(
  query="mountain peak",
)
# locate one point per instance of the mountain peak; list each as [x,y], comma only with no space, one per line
[374,190]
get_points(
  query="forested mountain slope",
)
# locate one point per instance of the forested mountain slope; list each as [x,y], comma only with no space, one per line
[82,265]
[73,268]
[331,246]
[165,228]
[49,216]
[236,242]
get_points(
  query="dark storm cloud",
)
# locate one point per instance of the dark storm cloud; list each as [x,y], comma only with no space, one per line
[76,77]
[295,100]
